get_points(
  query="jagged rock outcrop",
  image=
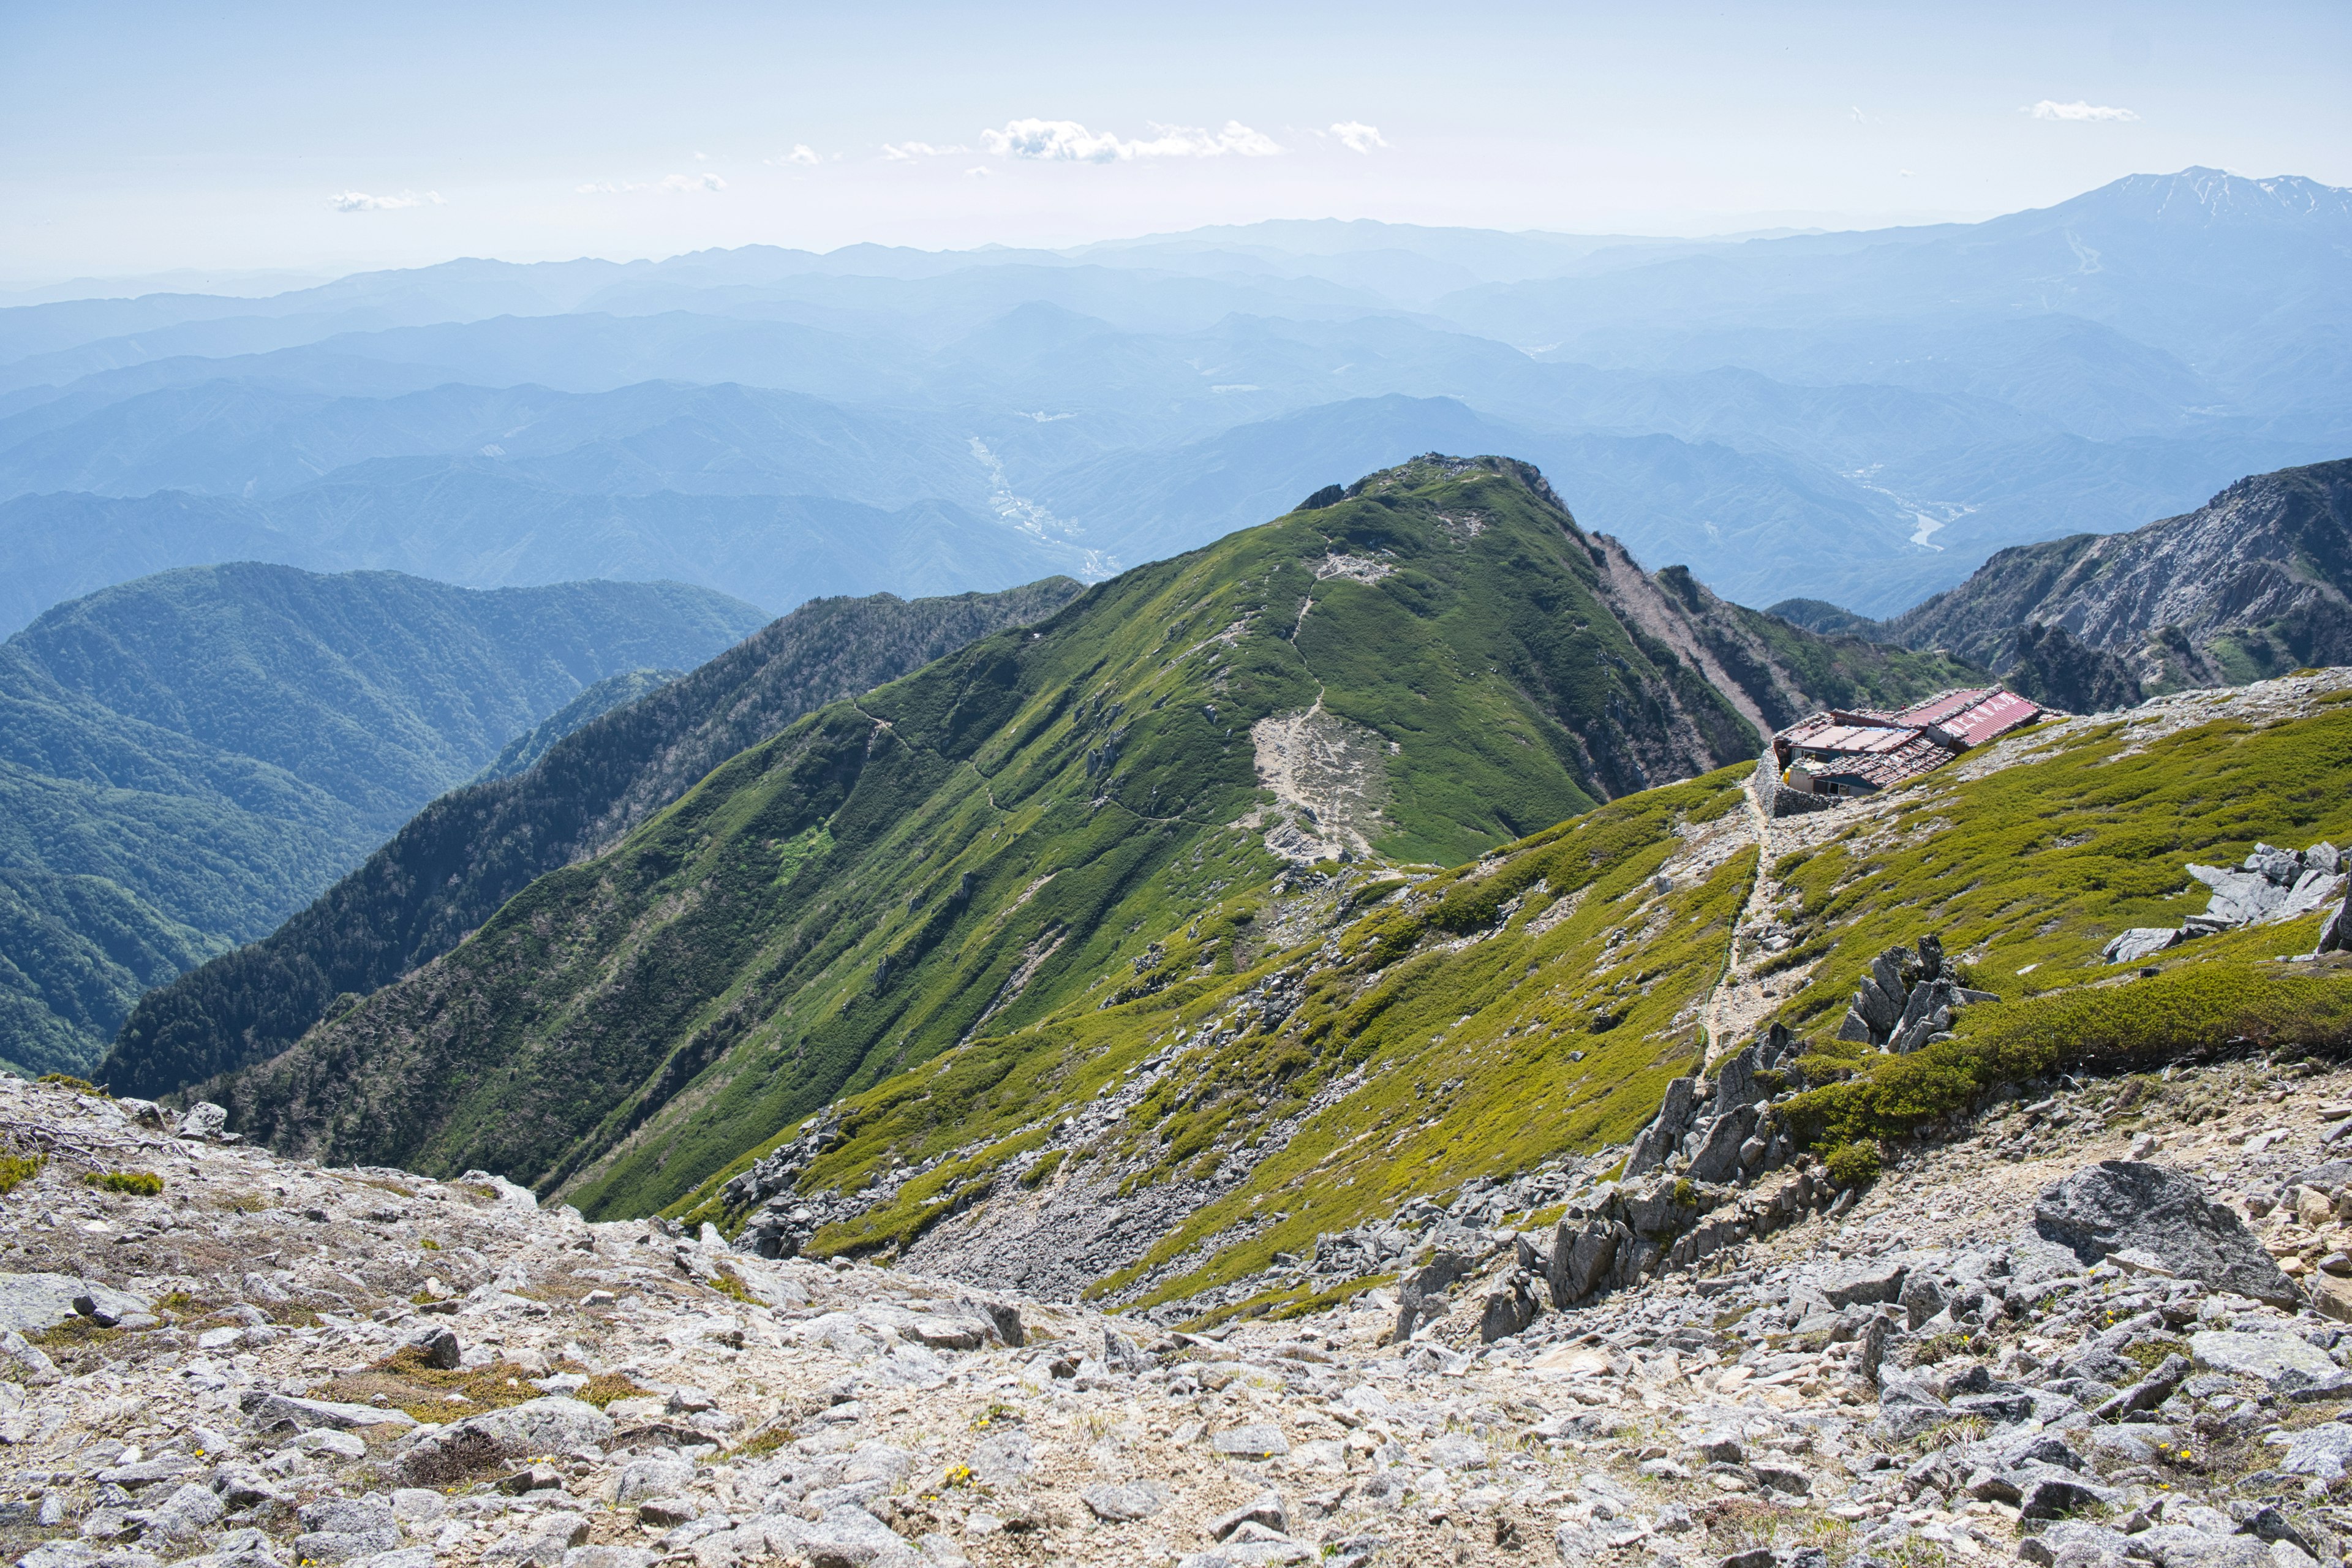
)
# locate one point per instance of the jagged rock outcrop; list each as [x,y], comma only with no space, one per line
[2270,887]
[2252,584]
[1908,1000]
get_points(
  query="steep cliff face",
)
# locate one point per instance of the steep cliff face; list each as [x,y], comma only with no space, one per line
[2250,584]
[1775,673]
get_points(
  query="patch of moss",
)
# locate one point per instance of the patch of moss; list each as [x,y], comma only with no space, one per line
[131,1183]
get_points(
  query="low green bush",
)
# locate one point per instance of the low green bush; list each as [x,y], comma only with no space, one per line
[1850,1164]
[136,1184]
[16,1170]
[2145,1023]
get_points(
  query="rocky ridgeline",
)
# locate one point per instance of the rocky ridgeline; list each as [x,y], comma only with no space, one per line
[2270,887]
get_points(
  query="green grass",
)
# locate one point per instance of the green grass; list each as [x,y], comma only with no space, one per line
[1467,1049]
[2027,873]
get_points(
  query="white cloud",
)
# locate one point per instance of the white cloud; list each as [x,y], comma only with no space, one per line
[360,202]
[679,184]
[902,152]
[803,154]
[1359,137]
[2078,110]
[1067,142]
[977,174]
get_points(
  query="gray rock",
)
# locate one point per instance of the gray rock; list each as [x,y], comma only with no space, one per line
[603,1557]
[848,1537]
[642,1478]
[2053,1493]
[1002,1458]
[203,1120]
[349,1516]
[268,1410]
[1906,1410]
[2325,1451]
[2288,1365]
[190,1509]
[1134,1499]
[1717,1157]
[2150,1391]
[1865,1284]
[2120,1205]
[2140,943]
[1582,1257]
[416,1507]
[435,1346]
[2178,1546]
[32,1303]
[540,1542]
[1267,1510]
[1507,1311]
[1458,1451]
[1260,1440]
[2075,1541]
[336,1546]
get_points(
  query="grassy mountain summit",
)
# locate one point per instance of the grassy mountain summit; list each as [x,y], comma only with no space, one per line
[186,759]
[1435,665]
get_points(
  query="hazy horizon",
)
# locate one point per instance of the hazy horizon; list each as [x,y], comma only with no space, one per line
[266,139]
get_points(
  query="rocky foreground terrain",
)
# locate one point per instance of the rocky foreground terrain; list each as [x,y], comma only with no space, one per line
[264,1363]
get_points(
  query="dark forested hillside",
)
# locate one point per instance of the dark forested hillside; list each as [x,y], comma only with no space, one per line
[450,868]
[187,759]
[1438,663]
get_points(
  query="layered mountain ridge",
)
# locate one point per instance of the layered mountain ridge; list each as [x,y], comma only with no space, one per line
[187,759]
[2253,583]
[1439,663]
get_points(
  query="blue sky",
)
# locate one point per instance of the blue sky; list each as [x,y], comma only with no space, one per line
[140,138]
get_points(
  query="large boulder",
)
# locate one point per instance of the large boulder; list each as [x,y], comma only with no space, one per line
[2288,1366]
[30,1303]
[2120,1206]
[553,1425]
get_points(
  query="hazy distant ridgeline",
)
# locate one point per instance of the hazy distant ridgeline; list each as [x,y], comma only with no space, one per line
[187,759]
[1859,417]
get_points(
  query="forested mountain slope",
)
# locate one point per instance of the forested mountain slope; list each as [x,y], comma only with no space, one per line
[1434,665]
[186,759]
[446,871]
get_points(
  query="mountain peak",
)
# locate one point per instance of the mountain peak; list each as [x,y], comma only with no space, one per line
[2199,198]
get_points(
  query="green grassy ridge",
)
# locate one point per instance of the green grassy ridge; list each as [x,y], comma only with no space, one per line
[635,1025]
[2035,867]
[1466,1050]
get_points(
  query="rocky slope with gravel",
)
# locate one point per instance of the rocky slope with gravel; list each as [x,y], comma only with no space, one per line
[2095,1320]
